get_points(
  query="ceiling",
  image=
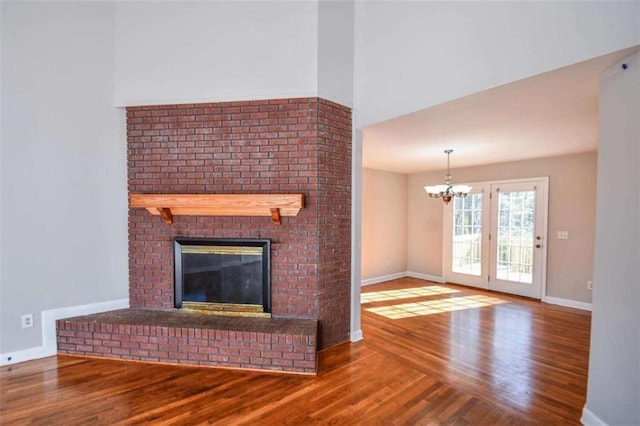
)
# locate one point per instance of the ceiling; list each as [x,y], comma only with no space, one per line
[550,114]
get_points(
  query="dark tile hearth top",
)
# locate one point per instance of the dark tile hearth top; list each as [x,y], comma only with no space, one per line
[186,319]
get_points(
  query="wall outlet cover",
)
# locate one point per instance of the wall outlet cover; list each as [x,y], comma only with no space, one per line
[27,320]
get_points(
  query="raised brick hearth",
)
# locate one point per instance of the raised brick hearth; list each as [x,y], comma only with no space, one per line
[272,146]
[192,338]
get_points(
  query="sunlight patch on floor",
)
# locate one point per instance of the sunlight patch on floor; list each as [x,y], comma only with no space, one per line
[429,307]
[405,293]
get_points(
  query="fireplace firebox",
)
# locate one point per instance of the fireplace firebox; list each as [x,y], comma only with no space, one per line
[223,276]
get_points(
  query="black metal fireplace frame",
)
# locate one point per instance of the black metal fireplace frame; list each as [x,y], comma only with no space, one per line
[178,242]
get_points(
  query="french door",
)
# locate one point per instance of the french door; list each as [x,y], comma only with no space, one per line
[495,237]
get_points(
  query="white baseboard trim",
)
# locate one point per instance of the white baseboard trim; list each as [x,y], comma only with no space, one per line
[356,336]
[23,355]
[433,278]
[383,278]
[49,344]
[590,419]
[567,302]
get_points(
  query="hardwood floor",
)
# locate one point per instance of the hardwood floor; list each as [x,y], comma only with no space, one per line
[513,361]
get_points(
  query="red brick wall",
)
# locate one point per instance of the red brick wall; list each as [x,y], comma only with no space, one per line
[334,208]
[285,145]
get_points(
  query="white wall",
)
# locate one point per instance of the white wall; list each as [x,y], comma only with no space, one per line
[411,55]
[175,52]
[64,200]
[614,360]
[335,51]
[384,223]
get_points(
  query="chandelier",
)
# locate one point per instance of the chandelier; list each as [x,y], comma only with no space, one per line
[447,191]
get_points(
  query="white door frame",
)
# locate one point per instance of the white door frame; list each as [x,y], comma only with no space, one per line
[543,228]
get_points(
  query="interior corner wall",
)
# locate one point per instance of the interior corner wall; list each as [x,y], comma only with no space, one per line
[412,55]
[384,223]
[64,199]
[180,52]
[613,389]
[572,201]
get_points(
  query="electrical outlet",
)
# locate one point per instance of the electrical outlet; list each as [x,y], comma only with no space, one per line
[590,285]
[27,320]
[563,235]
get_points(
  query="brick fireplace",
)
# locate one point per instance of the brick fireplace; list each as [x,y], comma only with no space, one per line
[298,145]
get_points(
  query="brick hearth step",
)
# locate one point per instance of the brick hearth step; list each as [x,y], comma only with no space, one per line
[180,337]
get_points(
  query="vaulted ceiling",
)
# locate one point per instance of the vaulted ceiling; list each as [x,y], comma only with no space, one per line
[546,115]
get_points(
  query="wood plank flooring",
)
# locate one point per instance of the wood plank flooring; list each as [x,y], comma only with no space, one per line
[514,362]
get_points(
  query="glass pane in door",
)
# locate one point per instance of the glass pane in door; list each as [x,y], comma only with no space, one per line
[466,256]
[516,227]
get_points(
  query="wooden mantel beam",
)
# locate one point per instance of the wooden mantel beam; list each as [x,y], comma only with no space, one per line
[169,205]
